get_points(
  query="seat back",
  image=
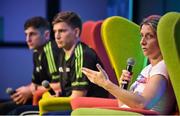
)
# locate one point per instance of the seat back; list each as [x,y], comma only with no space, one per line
[121,39]
[91,35]
[86,35]
[100,50]
[168,32]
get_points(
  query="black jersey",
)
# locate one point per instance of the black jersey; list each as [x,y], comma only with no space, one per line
[45,64]
[71,76]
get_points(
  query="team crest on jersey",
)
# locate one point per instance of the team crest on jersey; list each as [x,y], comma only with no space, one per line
[67,69]
[38,68]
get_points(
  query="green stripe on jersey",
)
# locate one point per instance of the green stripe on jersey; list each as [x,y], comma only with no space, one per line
[50,58]
[79,83]
[78,60]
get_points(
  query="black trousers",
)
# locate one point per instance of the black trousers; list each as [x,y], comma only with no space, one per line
[7,106]
[26,110]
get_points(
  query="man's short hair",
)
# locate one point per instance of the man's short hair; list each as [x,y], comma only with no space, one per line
[71,18]
[37,22]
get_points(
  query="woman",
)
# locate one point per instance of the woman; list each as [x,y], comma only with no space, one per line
[152,90]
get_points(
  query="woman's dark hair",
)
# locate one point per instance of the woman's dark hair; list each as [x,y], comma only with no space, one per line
[152,21]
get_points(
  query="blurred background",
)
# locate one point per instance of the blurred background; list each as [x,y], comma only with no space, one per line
[16,59]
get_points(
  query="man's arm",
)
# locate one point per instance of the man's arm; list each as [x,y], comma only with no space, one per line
[78,93]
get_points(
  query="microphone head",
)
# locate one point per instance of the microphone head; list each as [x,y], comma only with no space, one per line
[45,84]
[130,61]
[10,91]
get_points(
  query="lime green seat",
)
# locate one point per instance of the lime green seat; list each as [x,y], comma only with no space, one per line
[169,41]
[121,39]
[101,112]
[49,103]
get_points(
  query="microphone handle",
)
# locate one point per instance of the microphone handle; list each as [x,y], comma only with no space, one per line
[10,91]
[13,92]
[125,86]
[51,91]
[129,68]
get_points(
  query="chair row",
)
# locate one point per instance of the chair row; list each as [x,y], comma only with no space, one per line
[115,40]
[169,42]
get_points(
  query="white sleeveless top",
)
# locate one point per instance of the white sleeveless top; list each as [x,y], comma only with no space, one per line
[167,101]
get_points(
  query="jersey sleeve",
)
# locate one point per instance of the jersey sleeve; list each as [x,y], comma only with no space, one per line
[45,64]
[36,69]
[52,52]
[85,57]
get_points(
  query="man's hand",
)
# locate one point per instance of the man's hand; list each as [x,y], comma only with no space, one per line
[22,95]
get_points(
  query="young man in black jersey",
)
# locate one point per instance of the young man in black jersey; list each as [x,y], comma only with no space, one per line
[75,55]
[45,54]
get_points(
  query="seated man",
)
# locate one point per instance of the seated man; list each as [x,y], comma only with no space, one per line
[45,56]
[74,56]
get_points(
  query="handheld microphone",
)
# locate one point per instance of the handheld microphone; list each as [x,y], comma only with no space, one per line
[46,84]
[10,91]
[130,64]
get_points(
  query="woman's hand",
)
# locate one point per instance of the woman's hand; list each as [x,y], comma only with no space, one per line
[97,77]
[125,77]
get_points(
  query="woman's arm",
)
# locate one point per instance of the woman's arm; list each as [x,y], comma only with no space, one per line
[152,92]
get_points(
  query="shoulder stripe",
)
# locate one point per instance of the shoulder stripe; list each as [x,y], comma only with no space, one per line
[76,63]
[50,58]
[81,60]
[78,60]
[79,83]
